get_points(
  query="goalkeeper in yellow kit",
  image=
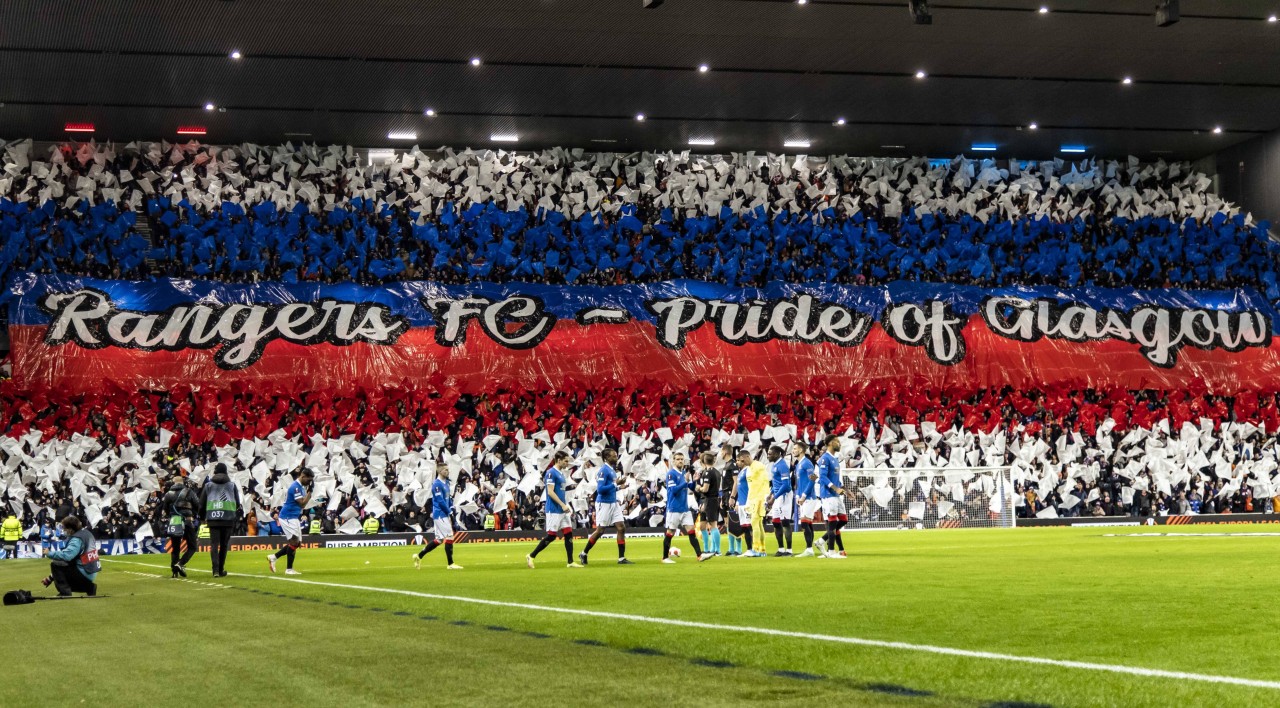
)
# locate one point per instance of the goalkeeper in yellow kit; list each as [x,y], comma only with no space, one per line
[757,476]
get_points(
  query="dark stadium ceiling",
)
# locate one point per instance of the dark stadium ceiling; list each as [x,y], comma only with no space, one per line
[576,73]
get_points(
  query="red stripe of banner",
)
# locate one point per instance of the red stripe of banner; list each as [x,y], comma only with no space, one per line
[628,354]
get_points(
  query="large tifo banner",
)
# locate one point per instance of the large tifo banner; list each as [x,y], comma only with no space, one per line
[87,333]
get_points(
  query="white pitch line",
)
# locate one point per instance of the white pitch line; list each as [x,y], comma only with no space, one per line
[155,576]
[1171,535]
[858,641]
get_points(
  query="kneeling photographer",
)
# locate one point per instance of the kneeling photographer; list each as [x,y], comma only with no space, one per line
[75,568]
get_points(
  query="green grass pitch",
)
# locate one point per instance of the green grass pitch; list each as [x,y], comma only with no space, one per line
[1204,605]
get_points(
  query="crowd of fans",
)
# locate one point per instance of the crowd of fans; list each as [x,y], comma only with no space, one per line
[1077,452]
[564,216]
[330,214]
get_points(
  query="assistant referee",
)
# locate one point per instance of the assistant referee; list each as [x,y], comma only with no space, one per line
[709,489]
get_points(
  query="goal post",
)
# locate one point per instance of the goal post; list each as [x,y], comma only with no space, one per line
[929,497]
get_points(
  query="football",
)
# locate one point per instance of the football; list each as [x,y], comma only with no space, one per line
[675,553]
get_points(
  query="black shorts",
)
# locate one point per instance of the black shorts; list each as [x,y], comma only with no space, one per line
[711,511]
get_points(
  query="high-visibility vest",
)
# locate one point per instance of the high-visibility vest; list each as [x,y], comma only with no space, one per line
[315,526]
[371,525]
[12,529]
[488,522]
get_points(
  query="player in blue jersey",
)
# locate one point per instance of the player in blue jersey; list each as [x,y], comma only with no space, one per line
[295,500]
[781,500]
[559,518]
[441,519]
[679,516]
[831,491]
[608,511]
[48,538]
[806,496]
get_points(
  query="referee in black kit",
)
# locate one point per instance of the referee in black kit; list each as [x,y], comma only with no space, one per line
[729,461]
[709,491]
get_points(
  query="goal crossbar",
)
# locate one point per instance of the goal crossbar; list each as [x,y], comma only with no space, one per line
[929,497]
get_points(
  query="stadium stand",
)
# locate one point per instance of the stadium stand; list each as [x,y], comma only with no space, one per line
[307,213]
[293,214]
[1081,452]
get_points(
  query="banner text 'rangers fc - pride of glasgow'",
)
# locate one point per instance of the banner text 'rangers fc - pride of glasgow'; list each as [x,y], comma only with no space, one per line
[86,333]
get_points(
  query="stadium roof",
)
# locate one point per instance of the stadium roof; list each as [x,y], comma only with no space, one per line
[577,73]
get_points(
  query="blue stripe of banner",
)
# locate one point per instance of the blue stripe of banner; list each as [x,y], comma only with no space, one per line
[405,298]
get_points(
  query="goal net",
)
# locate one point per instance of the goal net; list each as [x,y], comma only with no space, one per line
[929,497]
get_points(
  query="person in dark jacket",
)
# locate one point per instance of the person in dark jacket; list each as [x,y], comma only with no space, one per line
[1141,503]
[181,501]
[1110,506]
[65,508]
[75,568]
[220,510]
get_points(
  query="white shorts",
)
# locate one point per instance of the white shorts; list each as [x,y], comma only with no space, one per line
[558,522]
[608,514]
[291,528]
[679,519]
[810,508]
[833,507]
[744,515]
[442,529]
[783,506]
